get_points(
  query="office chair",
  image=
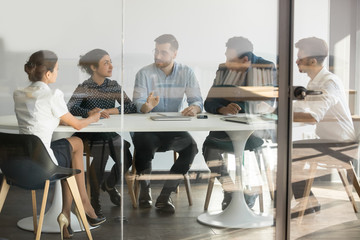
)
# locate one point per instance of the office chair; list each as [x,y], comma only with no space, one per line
[261,159]
[133,179]
[25,163]
[254,190]
[88,145]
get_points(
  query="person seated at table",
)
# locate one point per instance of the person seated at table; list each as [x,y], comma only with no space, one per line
[99,94]
[329,111]
[238,70]
[163,87]
[39,110]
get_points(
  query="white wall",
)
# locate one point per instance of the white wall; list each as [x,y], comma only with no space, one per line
[69,28]
[311,20]
[202,29]
[344,39]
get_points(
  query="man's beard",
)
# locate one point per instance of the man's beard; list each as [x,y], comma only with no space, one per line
[161,64]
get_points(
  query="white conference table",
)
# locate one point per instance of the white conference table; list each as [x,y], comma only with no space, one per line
[236,215]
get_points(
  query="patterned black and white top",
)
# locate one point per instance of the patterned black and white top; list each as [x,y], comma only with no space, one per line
[90,95]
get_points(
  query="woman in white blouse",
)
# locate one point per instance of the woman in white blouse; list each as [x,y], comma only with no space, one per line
[39,111]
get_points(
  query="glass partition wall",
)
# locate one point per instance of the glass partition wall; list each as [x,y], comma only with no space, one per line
[249,155]
[219,51]
[325,140]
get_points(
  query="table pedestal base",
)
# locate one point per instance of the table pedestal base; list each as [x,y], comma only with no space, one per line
[50,224]
[236,215]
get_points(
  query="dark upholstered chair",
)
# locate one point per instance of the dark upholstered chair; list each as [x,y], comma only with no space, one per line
[25,163]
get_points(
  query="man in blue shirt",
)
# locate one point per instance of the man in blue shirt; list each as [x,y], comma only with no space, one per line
[164,86]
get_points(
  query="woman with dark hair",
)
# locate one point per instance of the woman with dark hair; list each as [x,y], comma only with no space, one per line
[99,94]
[39,111]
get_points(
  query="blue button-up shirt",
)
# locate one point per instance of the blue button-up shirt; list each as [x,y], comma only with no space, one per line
[174,90]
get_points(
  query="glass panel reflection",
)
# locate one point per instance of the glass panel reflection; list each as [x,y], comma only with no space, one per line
[241,86]
[325,144]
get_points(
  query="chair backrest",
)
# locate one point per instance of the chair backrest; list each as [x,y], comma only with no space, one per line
[26,163]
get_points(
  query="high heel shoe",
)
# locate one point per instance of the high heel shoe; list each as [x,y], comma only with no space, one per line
[92,221]
[64,224]
[95,221]
[70,231]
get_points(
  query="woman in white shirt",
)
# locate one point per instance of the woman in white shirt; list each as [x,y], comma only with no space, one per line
[39,111]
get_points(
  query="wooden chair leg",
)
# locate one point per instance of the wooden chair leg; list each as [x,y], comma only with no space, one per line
[186,181]
[134,183]
[188,188]
[211,184]
[208,192]
[77,199]
[175,157]
[42,210]
[270,183]
[261,199]
[308,186]
[33,198]
[136,188]
[269,176]
[130,181]
[87,154]
[3,192]
[355,181]
[348,188]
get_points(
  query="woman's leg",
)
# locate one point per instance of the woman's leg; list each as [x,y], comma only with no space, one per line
[78,163]
[67,199]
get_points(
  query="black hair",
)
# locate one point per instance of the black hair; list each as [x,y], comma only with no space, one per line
[91,58]
[242,45]
[168,38]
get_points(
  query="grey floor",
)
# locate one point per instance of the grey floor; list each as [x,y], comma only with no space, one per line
[143,224]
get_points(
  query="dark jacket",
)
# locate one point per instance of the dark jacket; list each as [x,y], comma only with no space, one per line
[213,104]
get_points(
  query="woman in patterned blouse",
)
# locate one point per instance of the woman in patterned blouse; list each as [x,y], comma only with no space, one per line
[99,94]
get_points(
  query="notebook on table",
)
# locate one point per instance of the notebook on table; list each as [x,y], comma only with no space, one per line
[251,119]
[170,118]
